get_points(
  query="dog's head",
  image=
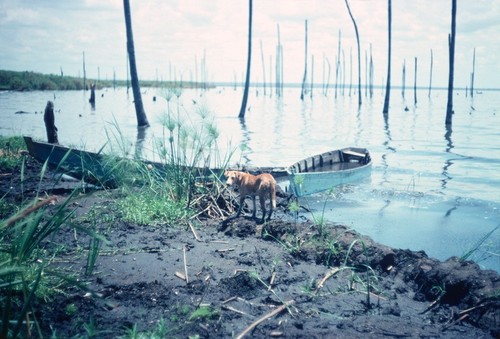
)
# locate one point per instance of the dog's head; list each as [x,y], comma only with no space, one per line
[233,177]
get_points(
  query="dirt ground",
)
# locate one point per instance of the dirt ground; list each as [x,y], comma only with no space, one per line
[279,279]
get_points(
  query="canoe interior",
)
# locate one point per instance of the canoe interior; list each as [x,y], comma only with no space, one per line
[338,160]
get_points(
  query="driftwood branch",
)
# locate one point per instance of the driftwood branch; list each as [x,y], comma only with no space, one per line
[185,264]
[263,318]
[327,276]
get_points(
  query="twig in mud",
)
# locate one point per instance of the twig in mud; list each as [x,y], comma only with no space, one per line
[229,308]
[471,309]
[263,318]
[180,276]
[207,280]
[445,327]
[327,276]
[225,250]
[219,242]
[229,300]
[194,231]
[375,295]
[271,282]
[30,210]
[185,264]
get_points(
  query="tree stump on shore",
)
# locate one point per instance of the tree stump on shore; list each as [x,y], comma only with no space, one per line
[92,94]
[50,127]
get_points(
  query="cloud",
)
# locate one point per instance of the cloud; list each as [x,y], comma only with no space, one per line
[45,35]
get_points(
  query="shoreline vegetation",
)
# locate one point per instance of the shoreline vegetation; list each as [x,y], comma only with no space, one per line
[33,81]
[158,257]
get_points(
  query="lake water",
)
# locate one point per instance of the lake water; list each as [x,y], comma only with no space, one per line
[430,189]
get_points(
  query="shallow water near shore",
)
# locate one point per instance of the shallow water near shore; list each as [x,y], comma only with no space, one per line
[430,189]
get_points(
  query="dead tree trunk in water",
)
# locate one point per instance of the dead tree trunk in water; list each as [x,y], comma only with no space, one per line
[430,76]
[328,76]
[371,72]
[359,53]
[249,56]
[84,73]
[451,44]
[404,79]
[279,65]
[388,84]
[366,73]
[472,75]
[312,77]
[337,66]
[263,67]
[305,70]
[350,71]
[415,84]
[142,120]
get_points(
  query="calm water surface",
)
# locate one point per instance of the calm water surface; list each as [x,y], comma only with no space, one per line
[430,189]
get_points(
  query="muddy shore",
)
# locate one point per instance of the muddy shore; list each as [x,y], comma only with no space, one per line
[223,279]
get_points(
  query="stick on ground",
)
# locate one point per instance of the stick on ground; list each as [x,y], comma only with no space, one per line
[263,318]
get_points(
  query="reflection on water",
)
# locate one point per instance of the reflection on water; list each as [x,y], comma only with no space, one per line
[245,142]
[426,191]
[139,143]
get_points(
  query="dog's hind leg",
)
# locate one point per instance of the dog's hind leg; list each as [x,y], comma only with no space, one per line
[263,207]
[254,213]
[272,203]
[242,202]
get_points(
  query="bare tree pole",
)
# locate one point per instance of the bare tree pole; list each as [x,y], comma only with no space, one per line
[282,71]
[430,76]
[84,73]
[263,67]
[350,71]
[328,76]
[128,75]
[451,44]
[249,57]
[142,120]
[343,72]
[415,83]
[371,72]
[270,76]
[305,68]
[278,63]
[337,66]
[312,77]
[324,68]
[403,87]
[388,84]
[472,75]
[359,53]
[366,73]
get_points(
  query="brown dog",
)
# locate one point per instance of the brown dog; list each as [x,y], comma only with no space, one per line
[262,185]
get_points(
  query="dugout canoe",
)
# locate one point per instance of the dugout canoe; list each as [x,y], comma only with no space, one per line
[308,176]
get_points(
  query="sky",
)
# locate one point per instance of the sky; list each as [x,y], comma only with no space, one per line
[172,37]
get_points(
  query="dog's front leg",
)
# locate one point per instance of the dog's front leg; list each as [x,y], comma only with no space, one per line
[242,201]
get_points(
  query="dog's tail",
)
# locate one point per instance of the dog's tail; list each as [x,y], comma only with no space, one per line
[273,196]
